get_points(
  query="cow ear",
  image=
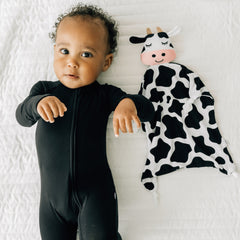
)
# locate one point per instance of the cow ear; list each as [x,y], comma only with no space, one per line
[137,39]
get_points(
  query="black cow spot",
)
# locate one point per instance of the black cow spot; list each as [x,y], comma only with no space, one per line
[199,83]
[207,94]
[144,127]
[162,35]
[194,118]
[161,150]
[181,152]
[212,119]
[176,107]
[214,135]
[164,78]
[156,96]
[148,77]
[174,127]
[143,49]
[171,45]
[206,100]
[168,99]
[165,168]
[226,151]
[149,36]
[180,91]
[149,186]
[156,133]
[157,117]
[184,72]
[223,171]
[201,147]
[141,90]
[147,162]
[199,162]
[147,174]
[220,160]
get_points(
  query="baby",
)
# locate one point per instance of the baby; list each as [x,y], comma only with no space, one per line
[77,189]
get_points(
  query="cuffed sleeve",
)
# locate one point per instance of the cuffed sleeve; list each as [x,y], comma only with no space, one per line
[26,113]
[145,109]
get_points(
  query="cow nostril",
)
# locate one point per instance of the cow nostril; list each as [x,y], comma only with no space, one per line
[154,55]
[163,54]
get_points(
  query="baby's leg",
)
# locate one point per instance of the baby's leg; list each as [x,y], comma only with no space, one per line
[52,225]
[98,218]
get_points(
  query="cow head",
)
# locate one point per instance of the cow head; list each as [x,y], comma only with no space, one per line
[157,48]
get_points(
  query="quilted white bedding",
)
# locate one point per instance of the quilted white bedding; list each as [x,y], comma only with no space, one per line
[194,204]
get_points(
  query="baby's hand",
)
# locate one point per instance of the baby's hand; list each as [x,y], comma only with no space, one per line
[51,107]
[123,115]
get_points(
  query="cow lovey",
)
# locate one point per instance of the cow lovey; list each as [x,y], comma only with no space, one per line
[184,131]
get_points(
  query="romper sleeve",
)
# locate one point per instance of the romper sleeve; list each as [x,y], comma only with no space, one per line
[145,109]
[26,113]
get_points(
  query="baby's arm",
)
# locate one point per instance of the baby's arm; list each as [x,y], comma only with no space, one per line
[26,112]
[127,107]
[39,104]
[133,107]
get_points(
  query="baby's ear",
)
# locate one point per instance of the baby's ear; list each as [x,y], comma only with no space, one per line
[108,62]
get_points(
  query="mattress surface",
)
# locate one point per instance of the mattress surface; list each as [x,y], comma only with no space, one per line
[193,204]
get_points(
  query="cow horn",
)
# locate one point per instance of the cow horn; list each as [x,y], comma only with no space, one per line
[149,31]
[159,29]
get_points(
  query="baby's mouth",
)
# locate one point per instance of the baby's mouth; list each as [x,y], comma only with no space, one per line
[72,76]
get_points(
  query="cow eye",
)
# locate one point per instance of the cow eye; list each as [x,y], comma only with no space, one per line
[165,43]
[148,45]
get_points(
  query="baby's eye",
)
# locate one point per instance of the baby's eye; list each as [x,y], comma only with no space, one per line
[64,51]
[86,54]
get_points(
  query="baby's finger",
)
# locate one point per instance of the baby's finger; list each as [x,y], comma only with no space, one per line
[116,127]
[64,107]
[42,114]
[129,125]
[54,108]
[123,125]
[49,113]
[137,121]
[61,108]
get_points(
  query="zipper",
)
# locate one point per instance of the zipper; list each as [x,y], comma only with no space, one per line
[73,149]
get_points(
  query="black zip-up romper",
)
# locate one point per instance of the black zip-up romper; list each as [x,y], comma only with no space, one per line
[77,189]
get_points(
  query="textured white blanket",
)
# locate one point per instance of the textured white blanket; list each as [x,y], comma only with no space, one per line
[194,204]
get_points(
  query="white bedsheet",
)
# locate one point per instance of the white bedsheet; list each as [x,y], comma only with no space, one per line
[194,204]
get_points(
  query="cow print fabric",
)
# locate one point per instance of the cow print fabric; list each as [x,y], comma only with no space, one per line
[184,132]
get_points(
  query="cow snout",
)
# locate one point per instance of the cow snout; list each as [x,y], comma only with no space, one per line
[158,56]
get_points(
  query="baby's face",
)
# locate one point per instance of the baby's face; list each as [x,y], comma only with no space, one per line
[80,53]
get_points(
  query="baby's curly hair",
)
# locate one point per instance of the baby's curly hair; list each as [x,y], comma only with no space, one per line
[95,13]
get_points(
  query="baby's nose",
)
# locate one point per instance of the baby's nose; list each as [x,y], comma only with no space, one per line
[73,64]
